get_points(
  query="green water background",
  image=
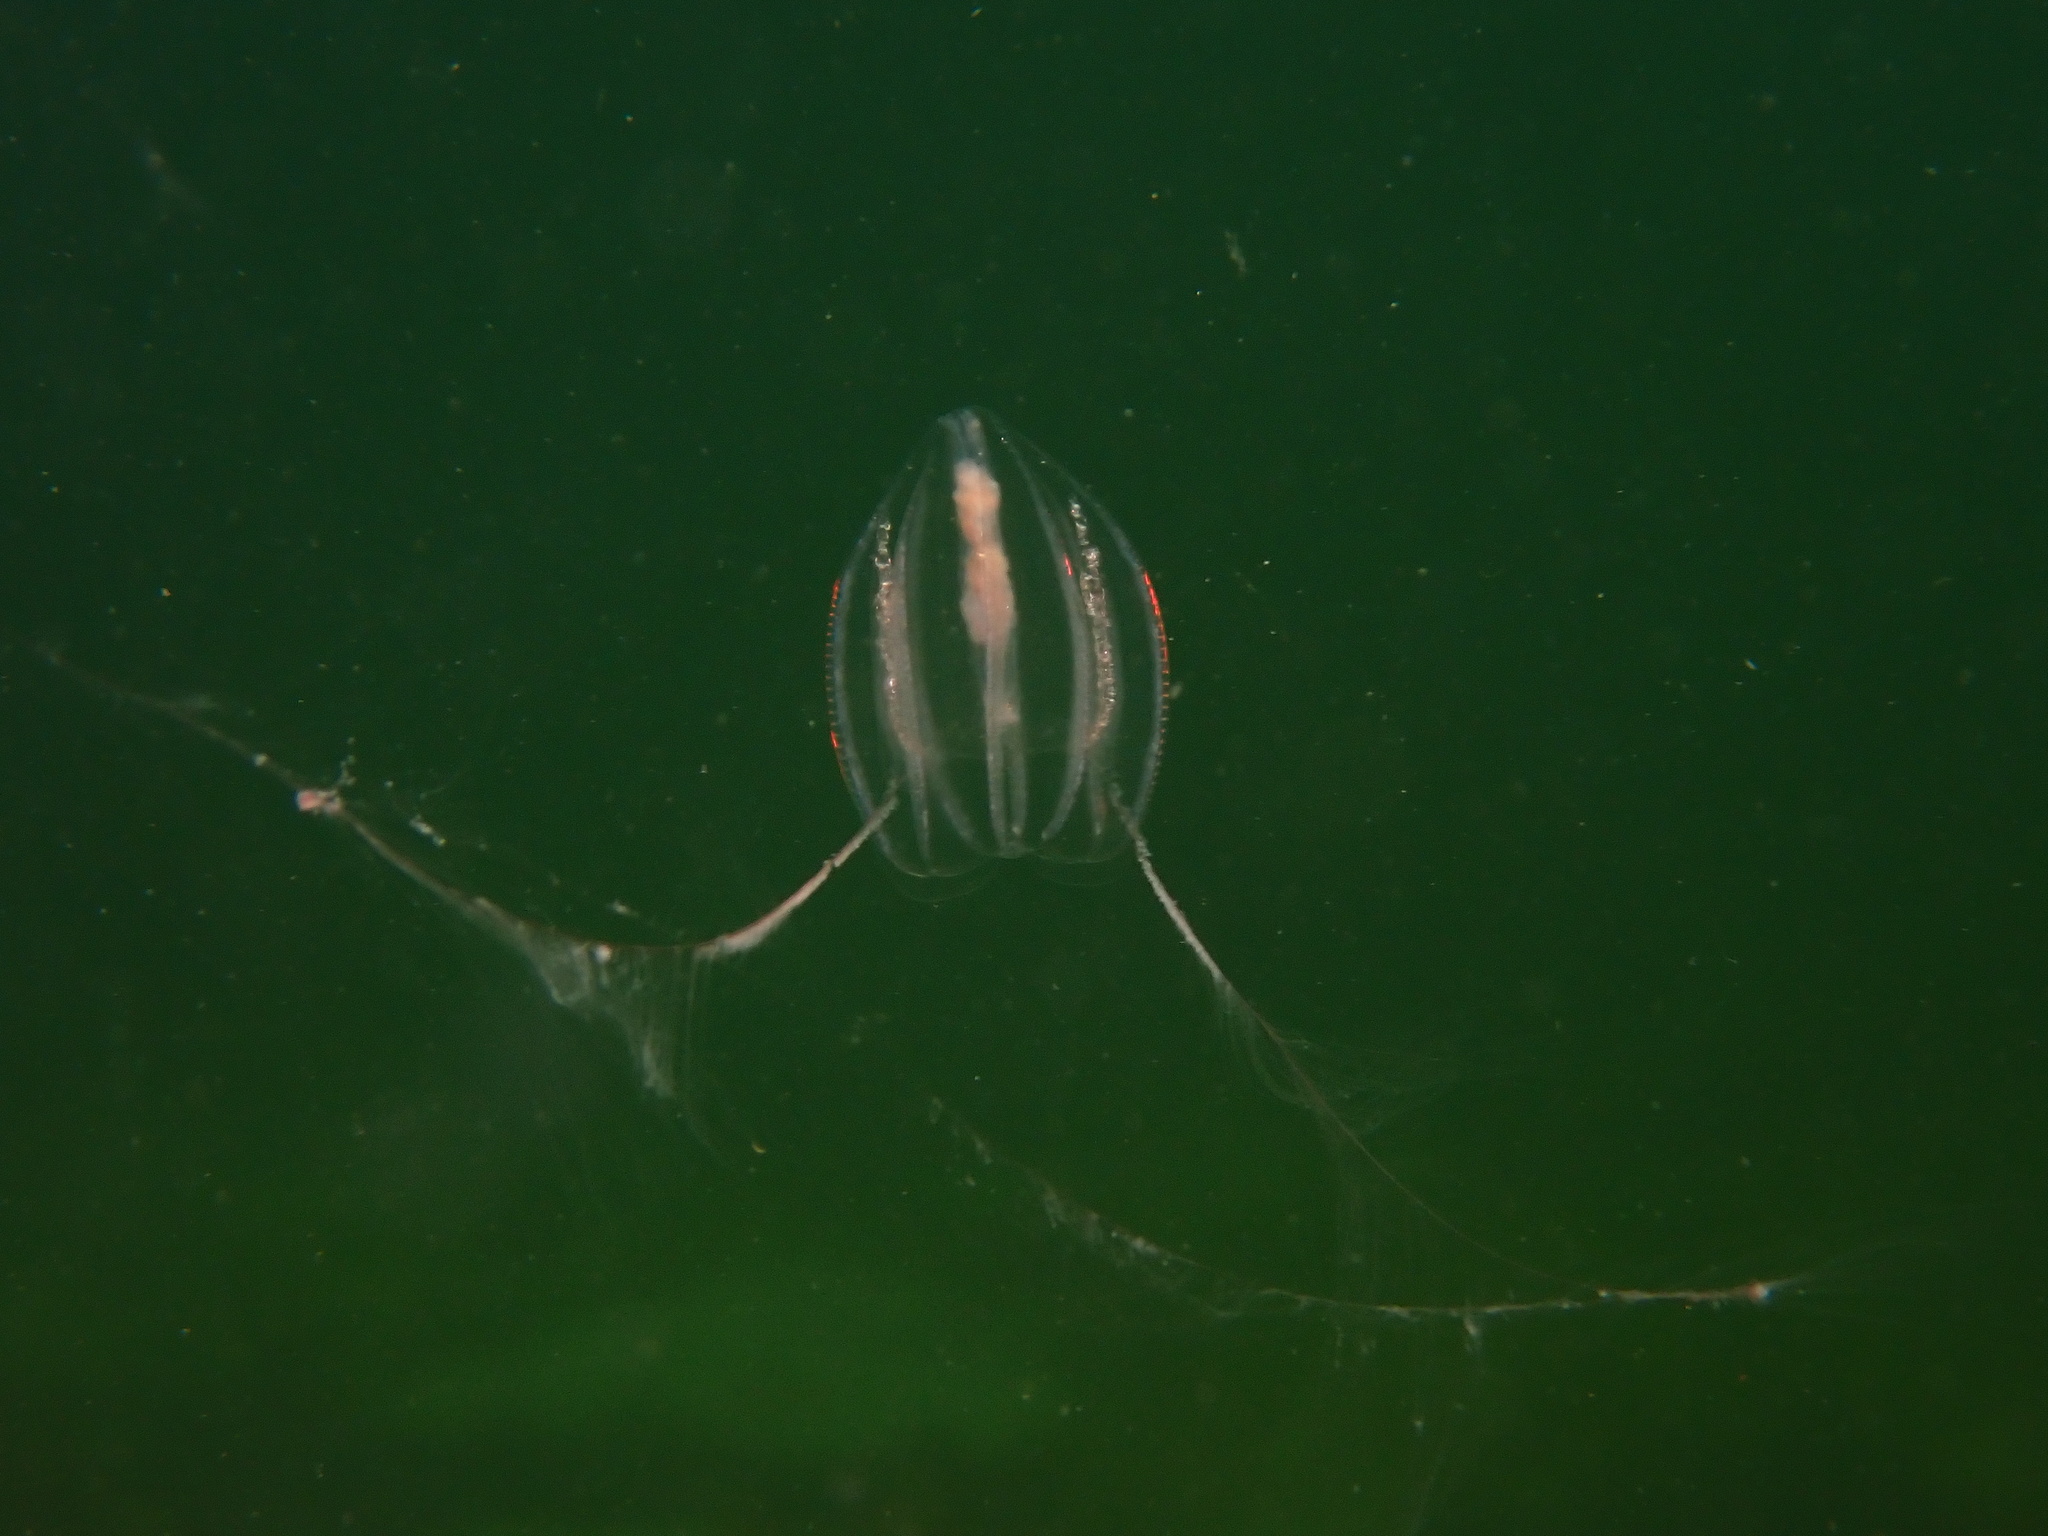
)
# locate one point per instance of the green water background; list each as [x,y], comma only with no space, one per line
[1590,458]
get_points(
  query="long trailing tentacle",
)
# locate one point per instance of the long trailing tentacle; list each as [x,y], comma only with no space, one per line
[1220,1294]
[646,991]
[1277,1059]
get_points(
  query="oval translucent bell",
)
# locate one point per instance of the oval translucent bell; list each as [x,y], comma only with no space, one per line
[997,661]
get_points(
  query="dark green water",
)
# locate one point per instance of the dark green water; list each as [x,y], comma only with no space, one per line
[1591,464]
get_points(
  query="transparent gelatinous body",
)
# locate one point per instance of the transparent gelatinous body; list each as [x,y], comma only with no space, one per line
[997,660]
